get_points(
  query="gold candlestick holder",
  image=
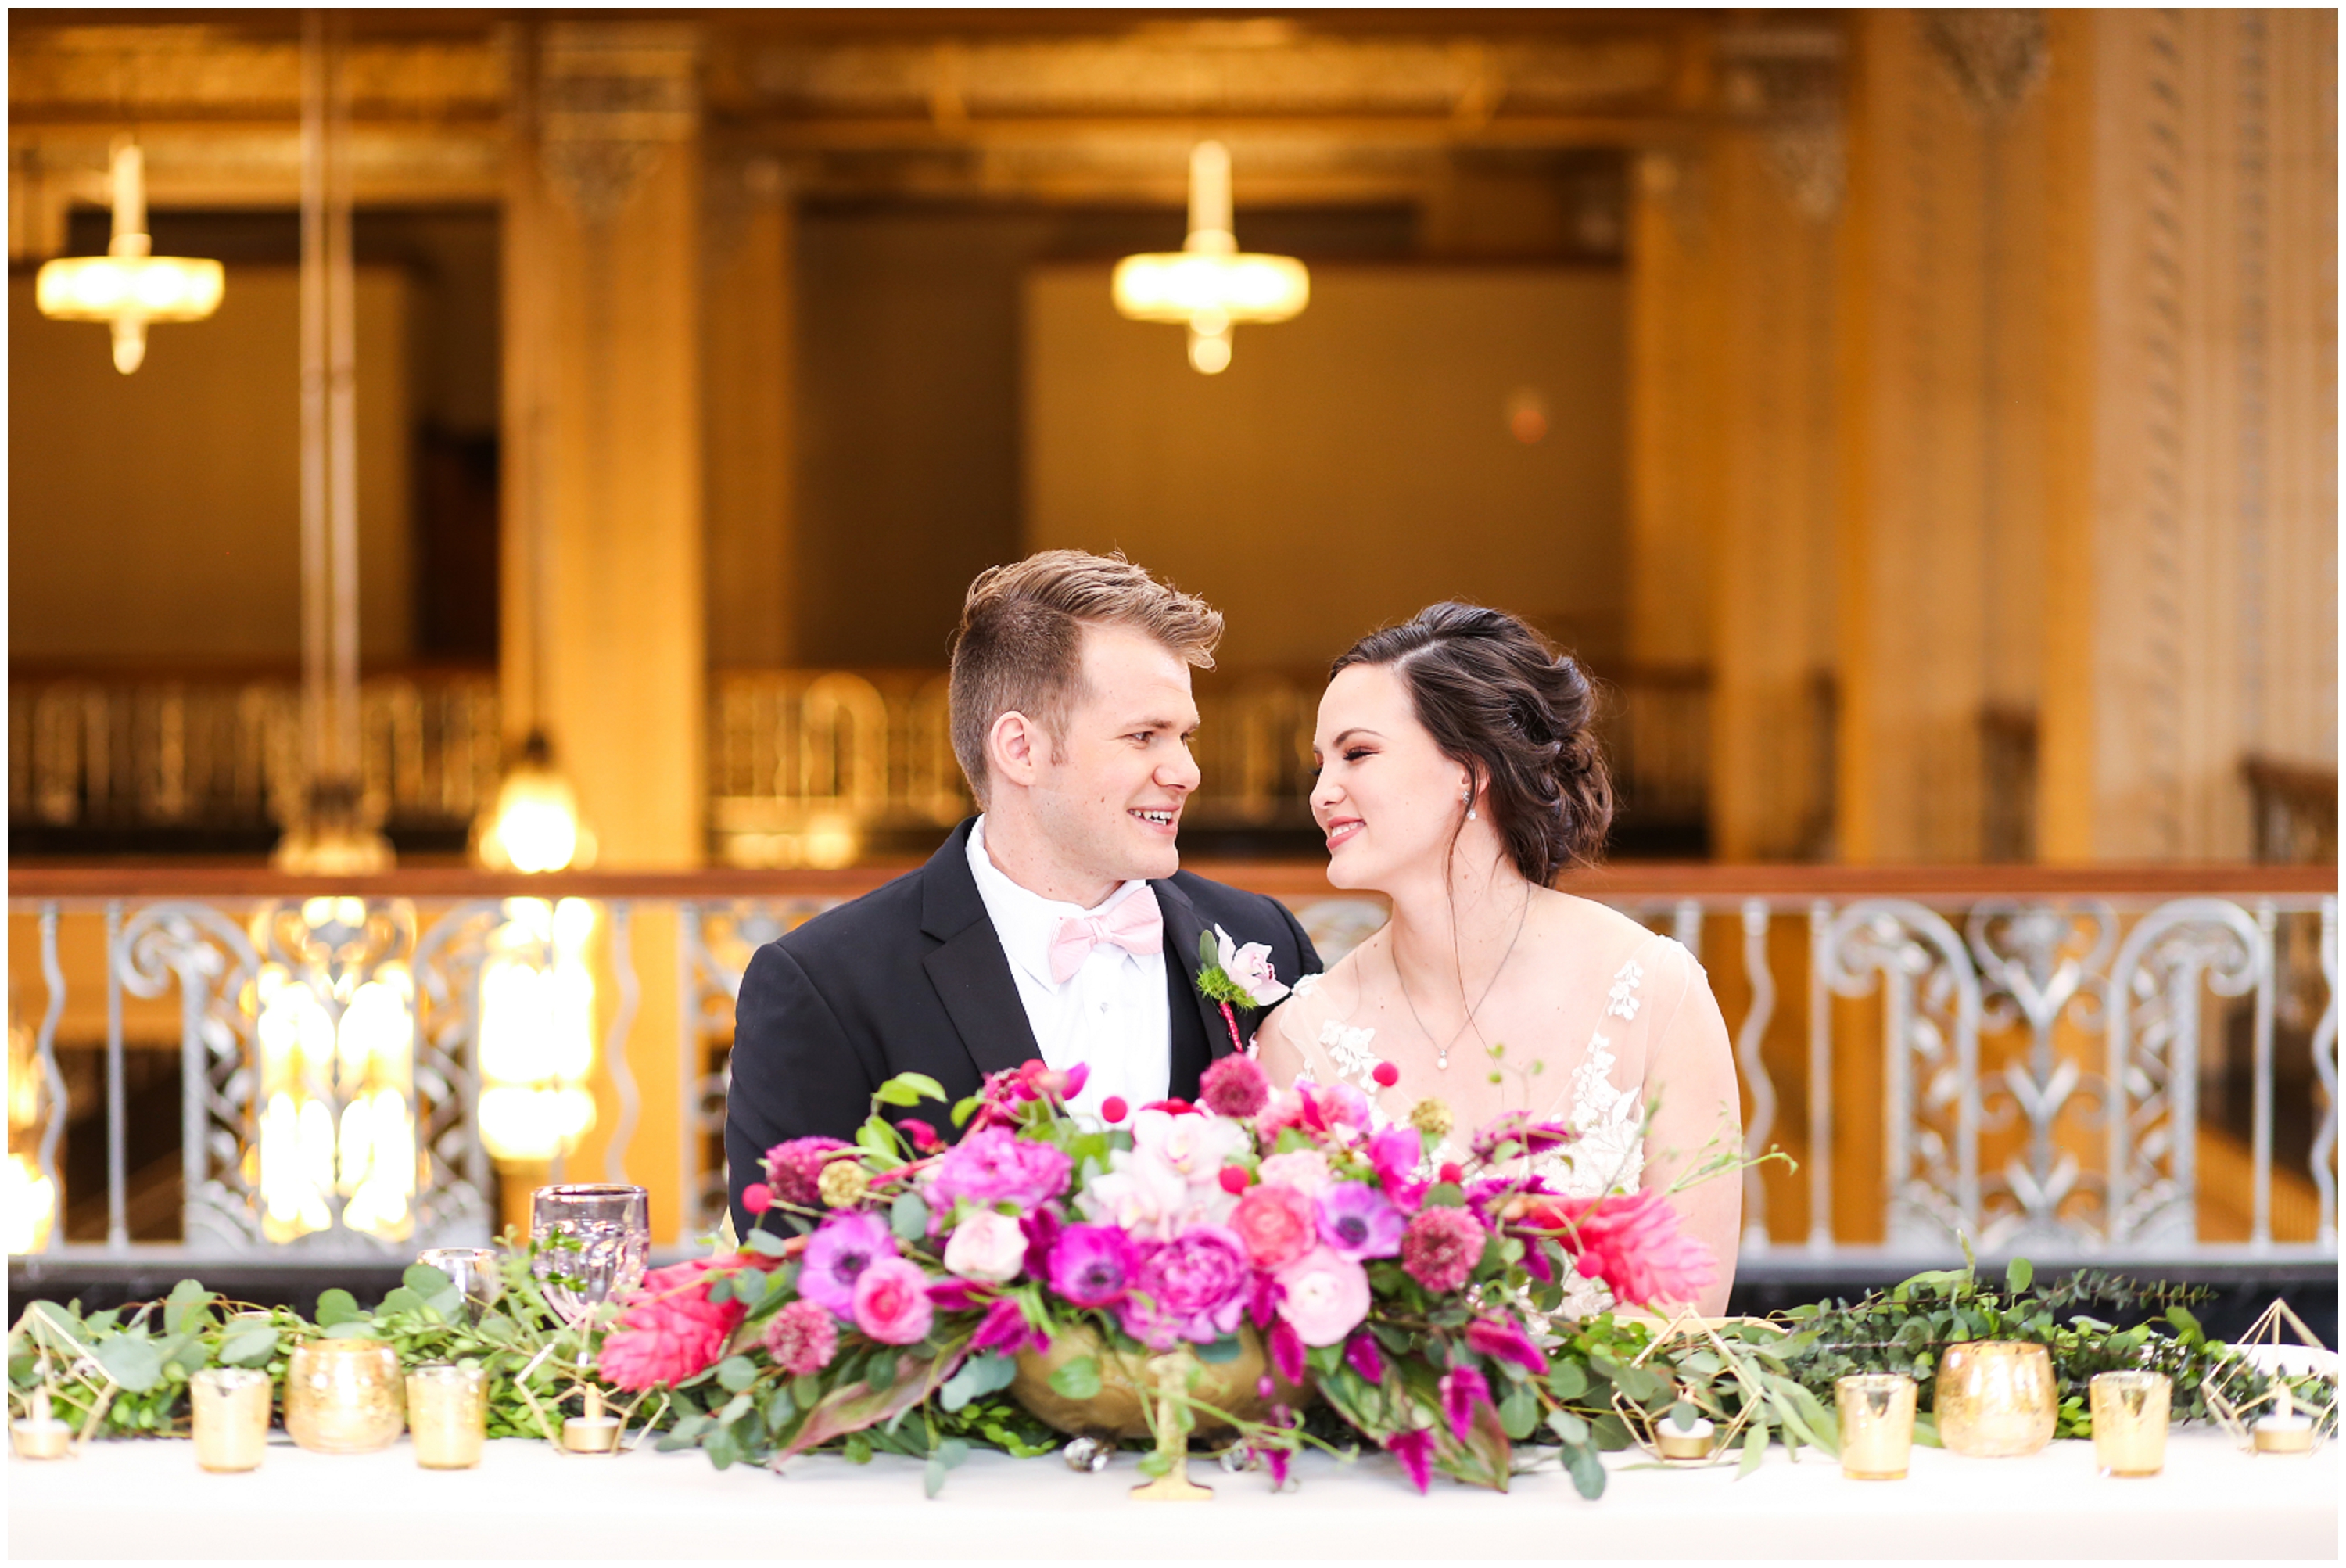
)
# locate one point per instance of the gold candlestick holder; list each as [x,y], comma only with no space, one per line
[1170,1374]
[229,1407]
[2130,1411]
[447,1415]
[1877,1425]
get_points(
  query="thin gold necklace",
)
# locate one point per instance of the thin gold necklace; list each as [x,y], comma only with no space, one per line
[1442,1051]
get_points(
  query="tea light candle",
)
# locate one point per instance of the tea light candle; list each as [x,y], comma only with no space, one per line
[2130,1409]
[593,1432]
[2284,1431]
[1689,1441]
[1877,1425]
[40,1435]
[447,1415]
[231,1417]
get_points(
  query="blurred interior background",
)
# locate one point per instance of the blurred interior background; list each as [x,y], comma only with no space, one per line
[1923,423]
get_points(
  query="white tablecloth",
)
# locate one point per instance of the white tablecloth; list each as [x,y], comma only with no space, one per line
[142,1499]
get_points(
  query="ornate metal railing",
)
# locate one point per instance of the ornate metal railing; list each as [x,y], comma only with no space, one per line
[2128,1065]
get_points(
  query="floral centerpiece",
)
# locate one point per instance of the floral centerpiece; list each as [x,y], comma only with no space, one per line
[898,1274]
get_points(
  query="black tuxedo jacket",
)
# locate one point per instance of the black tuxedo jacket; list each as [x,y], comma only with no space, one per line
[911,978]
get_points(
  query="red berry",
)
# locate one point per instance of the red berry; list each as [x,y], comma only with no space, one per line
[1386,1074]
[757,1197]
[1234,1179]
[1113,1109]
[1450,1172]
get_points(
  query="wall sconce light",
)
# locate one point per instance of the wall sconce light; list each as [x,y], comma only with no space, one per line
[533,825]
[1209,285]
[128,286]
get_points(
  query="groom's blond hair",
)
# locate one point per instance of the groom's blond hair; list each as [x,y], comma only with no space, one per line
[1019,647]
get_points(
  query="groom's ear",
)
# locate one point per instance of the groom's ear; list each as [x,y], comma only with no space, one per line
[1016,749]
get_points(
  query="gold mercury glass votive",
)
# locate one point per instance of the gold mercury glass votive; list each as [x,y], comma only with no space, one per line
[232,1417]
[2130,1422]
[1997,1399]
[1877,1424]
[447,1415]
[342,1396]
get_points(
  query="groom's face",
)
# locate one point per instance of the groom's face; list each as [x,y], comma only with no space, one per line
[1110,795]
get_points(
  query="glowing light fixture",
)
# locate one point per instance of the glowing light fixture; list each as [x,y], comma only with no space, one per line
[129,286]
[538,1031]
[337,1095]
[1209,285]
[534,826]
[28,1200]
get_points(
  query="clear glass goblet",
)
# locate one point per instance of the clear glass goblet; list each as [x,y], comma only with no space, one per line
[473,1271]
[594,1242]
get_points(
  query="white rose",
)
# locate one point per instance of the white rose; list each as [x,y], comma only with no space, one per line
[987,1246]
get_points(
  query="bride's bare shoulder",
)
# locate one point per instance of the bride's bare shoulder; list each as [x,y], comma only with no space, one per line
[1331,993]
[1575,919]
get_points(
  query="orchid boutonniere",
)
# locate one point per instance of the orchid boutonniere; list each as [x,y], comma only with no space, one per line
[1230,977]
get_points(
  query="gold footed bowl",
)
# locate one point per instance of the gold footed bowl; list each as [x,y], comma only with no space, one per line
[1997,1399]
[1120,1407]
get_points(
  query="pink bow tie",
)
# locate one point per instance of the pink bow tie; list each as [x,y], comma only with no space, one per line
[1135,925]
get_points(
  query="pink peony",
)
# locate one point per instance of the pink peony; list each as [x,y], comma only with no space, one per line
[1305,1170]
[1395,1153]
[794,1170]
[1234,1086]
[892,1301]
[802,1337]
[1441,1246]
[1192,1287]
[997,1165]
[670,1329]
[1632,1243]
[987,1245]
[1326,1296]
[1276,1223]
[844,1247]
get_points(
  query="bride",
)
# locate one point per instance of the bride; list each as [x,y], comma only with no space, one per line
[1459,775]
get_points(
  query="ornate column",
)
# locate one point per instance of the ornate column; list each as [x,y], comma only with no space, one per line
[604,592]
[748,357]
[2194,530]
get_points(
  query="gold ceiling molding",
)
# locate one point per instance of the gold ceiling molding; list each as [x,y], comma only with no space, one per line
[203,73]
[612,98]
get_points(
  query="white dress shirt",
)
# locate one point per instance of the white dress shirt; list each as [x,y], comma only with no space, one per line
[1113,1013]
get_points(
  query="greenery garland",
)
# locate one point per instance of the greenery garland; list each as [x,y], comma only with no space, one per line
[1766,1382]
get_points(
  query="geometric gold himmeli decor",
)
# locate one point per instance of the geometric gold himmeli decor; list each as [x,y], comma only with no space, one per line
[2304,1369]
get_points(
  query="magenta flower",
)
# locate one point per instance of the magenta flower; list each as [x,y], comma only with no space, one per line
[794,1170]
[1462,1387]
[1415,1451]
[845,1245]
[1395,1153]
[1441,1246]
[1286,1352]
[1530,1136]
[1192,1287]
[1503,1341]
[1362,1355]
[1004,1328]
[1041,1225]
[996,1165]
[1234,1086]
[1632,1242]
[1359,1221]
[801,1339]
[1093,1265]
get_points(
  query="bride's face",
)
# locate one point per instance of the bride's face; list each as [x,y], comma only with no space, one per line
[1388,799]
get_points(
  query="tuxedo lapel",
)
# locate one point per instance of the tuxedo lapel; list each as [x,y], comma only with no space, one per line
[970,970]
[1183,926]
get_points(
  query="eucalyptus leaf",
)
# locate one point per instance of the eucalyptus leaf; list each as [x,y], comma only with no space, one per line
[187,1297]
[337,1305]
[247,1344]
[134,1363]
[735,1373]
[908,1216]
[1077,1380]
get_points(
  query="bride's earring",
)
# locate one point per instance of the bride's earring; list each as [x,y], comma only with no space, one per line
[1466,798]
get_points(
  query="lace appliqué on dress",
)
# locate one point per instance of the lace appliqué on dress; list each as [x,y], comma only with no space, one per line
[1348,1049]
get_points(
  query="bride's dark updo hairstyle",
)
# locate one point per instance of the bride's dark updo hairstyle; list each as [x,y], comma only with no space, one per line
[1501,701]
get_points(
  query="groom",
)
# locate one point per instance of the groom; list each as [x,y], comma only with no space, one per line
[1057,923]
